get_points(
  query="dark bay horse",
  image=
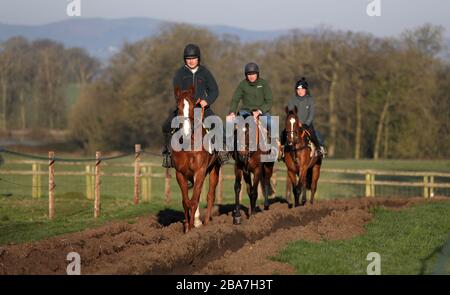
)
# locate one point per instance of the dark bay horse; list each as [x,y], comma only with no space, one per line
[193,165]
[300,159]
[247,163]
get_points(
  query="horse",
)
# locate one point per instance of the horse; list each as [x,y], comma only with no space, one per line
[246,163]
[300,159]
[193,165]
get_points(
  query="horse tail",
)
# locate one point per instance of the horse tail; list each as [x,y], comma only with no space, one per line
[309,178]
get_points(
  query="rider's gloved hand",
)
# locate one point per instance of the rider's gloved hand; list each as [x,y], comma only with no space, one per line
[203,103]
[256,113]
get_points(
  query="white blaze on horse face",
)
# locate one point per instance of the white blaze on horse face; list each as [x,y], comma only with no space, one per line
[292,121]
[186,123]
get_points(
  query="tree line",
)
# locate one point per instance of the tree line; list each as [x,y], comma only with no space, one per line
[375,97]
[34,80]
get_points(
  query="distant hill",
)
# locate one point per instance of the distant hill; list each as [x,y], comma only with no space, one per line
[102,37]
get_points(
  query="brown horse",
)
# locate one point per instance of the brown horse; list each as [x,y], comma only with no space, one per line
[301,160]
[246,163]
[193,165]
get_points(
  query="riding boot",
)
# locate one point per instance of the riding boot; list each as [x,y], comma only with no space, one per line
[313,136]
[167,158]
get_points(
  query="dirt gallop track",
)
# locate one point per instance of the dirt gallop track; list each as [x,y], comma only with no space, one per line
[146,246]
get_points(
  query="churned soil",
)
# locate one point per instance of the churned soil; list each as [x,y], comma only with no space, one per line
[155,244]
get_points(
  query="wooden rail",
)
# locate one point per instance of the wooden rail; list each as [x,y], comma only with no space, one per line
[143,179]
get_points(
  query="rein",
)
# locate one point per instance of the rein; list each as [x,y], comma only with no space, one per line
[292,145]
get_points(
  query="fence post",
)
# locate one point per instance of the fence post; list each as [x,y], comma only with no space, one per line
[137,171]
[431,186]
[425,187]
[34,181]
[149,182]
[97,185]
[368,187]
[372,185]
[219,190]
[167,186]
[89,183]
[39,184]
[51,184]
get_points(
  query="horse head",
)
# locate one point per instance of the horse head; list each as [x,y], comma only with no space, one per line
[185,107]
[185,102]
[293,127]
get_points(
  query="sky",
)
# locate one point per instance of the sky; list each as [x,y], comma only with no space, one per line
[396,15]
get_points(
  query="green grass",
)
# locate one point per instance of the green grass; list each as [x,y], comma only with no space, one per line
[408,241]
[23,218]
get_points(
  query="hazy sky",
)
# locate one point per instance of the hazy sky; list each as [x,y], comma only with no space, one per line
[396,15]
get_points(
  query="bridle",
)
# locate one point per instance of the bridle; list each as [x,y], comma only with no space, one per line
[296,137]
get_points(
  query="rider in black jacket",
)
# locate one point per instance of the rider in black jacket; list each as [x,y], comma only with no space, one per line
[206,89]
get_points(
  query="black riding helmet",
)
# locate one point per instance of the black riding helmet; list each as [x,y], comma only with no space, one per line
[251,68]
[191,51]
[301,84]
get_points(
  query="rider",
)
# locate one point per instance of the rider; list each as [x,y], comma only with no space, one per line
[254,93]
[206,90]
[305,111]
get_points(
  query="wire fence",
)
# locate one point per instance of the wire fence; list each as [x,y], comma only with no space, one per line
[72,185]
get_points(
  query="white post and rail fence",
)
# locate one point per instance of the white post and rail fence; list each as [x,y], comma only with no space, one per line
[143,179]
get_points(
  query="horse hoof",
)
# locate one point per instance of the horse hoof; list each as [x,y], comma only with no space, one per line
[290,206]
[266,207]
[197,223]
[237,220]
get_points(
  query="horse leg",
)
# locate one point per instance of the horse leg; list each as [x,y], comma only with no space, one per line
[293,179]
[268,170]
[237,190]
[198,184]
[302,184]
[213,180]
[197,221]
[315,179]
[182,182]
[254,190]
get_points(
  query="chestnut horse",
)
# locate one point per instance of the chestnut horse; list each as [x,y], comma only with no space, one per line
[300,159]
[193,165]
[246,163]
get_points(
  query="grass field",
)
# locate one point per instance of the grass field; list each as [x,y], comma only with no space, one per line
[23,218]
[409,242]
